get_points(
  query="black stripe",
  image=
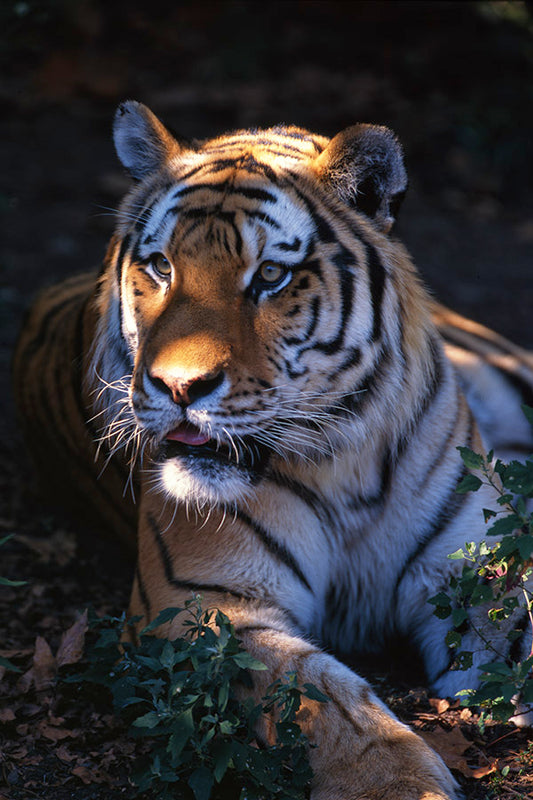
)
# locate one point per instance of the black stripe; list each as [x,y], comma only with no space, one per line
[450,507]
[367,386]
[198,187]
[76,466]
[40,338]
[361,502]
[313,322]
[290,246]
[435,381]
[118,277]
[248,164]
[256,194]
[377,277]
[438,456]
[145,600]
[221,187]
[185,584]
[263,217]
[342,260]
[352,359]
[522,386]
[306,495]
[239,630]
[275,548]
[338,599]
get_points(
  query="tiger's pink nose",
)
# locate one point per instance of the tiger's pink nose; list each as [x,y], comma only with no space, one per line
[185,391]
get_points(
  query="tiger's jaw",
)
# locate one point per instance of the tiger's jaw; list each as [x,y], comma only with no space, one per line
[201,471]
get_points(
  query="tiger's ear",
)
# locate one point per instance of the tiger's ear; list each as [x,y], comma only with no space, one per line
[364,166]
[142,142]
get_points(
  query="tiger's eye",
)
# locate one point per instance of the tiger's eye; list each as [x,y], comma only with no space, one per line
[269,272]
[161,265]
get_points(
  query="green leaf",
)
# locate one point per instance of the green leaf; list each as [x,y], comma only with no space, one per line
[164,616]
[527,691]
[223,696]
[247,661]
[6,664]
[222,752]
[8,582]
[313,693]
[525,546]
[150,663]
[518,478]
[457,555]
[149,720]
[440,599]
[488,513]
[504,525]
[459,615]
[498,668]
[167,656]
[470,483]
[201,782]
[481,594]
[227,728]
[471,460]
[442,612]
[453,639]
[463,661]
[504,499]
[182,732]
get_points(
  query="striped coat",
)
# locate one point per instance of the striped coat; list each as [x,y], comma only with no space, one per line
[259,365]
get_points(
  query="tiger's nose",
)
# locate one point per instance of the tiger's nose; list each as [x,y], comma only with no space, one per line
[184,391]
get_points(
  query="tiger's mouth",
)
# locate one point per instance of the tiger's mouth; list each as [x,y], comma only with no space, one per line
[186,441]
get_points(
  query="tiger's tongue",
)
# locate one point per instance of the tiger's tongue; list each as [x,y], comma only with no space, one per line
[187,433]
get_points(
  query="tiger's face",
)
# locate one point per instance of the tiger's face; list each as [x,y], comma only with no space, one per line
[246,306]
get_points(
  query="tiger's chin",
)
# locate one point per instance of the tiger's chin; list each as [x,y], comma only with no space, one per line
[206,476]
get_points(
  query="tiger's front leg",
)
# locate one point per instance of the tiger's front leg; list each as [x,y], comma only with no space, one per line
[360,751]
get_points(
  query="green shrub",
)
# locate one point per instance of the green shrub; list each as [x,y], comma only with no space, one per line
[497,574]
[180,697]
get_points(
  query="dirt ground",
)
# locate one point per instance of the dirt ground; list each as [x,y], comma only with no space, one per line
[454,80]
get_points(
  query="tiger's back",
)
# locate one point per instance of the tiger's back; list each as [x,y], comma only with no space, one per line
[56,413]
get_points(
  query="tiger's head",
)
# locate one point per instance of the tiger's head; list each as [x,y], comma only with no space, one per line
[252,301]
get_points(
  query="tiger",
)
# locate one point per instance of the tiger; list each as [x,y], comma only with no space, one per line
[259,395]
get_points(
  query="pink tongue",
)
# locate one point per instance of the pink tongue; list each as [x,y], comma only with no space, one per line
[187,433]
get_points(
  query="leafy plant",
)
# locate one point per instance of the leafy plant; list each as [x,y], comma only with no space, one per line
[497,575]
[180,697]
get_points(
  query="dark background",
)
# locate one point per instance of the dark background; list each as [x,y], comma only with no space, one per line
[453,79]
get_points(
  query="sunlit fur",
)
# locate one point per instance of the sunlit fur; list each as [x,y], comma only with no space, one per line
[322,509]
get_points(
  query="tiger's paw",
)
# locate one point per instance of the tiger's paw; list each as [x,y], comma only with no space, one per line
[398,768]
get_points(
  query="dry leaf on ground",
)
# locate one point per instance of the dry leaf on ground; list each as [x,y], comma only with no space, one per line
[487,769]
[440,704]
[451,746]
[44,665]
[71,646]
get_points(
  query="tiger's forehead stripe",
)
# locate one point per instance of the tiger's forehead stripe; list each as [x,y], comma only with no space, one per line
[269,207]
[280,141]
